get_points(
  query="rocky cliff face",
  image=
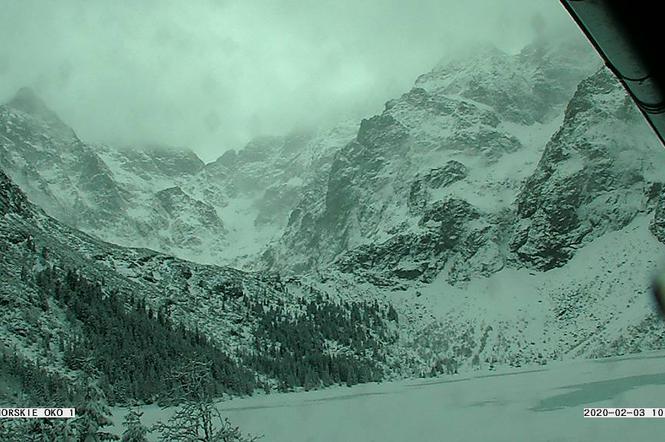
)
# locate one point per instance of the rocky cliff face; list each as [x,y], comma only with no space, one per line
[513,204]
[163,198]
[598,172]
[510,205]
[95,188]
[428,184]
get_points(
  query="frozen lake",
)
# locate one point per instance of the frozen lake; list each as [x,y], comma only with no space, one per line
[534,404]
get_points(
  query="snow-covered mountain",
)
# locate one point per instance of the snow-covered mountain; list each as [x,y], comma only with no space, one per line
[599,171]
[116,195]
[255,188]
[430,182]
[163,198]
[510,206]
[257,319]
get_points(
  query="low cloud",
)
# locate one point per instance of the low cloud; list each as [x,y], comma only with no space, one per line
[212,74]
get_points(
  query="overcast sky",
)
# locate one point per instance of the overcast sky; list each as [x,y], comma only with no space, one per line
[211,74]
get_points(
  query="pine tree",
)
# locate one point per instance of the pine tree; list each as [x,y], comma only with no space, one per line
[92,414]
[392,314]
[135,431]
[37,430]
[351,378]
[198,418]
[12,429]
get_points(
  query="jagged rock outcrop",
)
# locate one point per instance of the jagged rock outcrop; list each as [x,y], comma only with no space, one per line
[594,175]
[128,195]
[657,226]
[469,131]
[100,190]
[12,200]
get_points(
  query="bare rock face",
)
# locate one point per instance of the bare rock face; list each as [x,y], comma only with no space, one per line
[437,178]
[595,175]
[427,186]
[162,197]
[12,200]
[657,226]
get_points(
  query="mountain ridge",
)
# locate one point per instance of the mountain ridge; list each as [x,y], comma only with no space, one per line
[114,192]
[500,239]
[46,264]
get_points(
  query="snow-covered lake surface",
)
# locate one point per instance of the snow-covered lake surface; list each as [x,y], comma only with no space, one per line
[531,404]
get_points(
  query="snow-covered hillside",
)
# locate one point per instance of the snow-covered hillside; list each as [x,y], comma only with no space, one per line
[247,316]
[510,206]
[158,197]
[505,237]
[429,182]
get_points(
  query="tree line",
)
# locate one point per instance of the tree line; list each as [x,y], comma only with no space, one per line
[320,342]
[131,346]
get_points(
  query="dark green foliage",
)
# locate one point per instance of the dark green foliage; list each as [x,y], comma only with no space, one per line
[131,346]
[41,386]
[38,430]
[444,366]
[392,314]
[294,347]
[135,431]
[92,413]
[230,288]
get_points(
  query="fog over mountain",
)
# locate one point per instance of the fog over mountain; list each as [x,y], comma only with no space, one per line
[214,74]
[239,199]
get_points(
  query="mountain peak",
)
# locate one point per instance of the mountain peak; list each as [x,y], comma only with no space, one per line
[26,100]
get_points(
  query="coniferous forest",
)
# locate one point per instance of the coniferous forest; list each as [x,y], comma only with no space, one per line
[296,348]
[131,348]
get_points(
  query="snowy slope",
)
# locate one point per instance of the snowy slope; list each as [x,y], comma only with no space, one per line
[110,193]
[225,305]
[505,237]
[460,135]
[255,188]
[161,197]
[598,304]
